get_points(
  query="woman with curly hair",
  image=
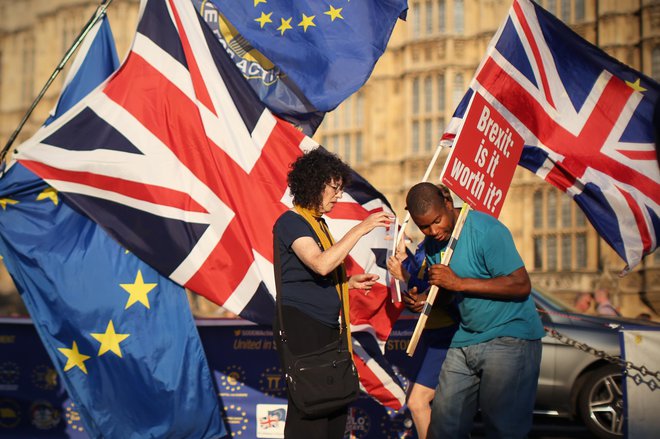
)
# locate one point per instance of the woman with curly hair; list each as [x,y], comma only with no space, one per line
[312,272]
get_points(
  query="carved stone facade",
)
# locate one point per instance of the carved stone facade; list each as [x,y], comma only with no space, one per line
[388,130]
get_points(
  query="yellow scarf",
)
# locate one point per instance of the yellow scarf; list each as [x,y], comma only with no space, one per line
[339,274]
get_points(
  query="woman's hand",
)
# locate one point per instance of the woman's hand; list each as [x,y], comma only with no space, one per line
[378,219]
[362,281]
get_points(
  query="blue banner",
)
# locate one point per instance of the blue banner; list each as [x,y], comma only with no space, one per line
[244,365]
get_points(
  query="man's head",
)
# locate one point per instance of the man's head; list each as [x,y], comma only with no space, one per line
[583,302]
[431,211]
[601,295]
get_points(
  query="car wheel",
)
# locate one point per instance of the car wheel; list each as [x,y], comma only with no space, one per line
[601,402]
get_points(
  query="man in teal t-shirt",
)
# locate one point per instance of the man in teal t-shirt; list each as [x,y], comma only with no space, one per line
[494,359]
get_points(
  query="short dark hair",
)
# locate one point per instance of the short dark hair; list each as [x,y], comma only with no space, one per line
[422,196]
[309,174]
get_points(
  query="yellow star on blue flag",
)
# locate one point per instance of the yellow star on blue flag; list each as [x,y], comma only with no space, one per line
[285,26]
[74,358]
[138,291]
[636,85]
[49,194]
[264,19]
[5,201]
[307,21]
[110,340]
[334,13]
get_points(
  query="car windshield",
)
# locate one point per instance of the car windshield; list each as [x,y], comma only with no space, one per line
[555,302]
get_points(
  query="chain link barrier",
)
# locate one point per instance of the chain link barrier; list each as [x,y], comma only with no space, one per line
[636,373]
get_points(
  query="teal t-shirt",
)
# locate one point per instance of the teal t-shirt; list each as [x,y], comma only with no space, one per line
[485,249]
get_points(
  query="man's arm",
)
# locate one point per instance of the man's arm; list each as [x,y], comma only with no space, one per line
[513,286]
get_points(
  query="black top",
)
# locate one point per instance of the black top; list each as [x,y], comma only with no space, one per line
[311,293]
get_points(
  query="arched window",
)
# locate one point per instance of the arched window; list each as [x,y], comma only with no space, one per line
[459,17]
[442,27]
[416,16]
[579,11]
[359,153]
[415,137]
[566,220]
[429,17]
[552,209]
[655,63]
[359,109]
[538,253]
[440,83]
[459,89]
[566,11]
[551,252]
[560,238]
[566,252]
[581,250]
[415,96]
[538,209]
[428,94]
[428,135]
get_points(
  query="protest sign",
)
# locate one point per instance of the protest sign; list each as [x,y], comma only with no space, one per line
[481,164]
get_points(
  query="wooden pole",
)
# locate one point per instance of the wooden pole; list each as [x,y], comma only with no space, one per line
[430,299]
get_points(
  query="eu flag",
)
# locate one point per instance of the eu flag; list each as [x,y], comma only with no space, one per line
[121,336]
[274,88]
[328,50]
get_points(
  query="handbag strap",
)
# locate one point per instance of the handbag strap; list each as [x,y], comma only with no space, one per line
[277,266]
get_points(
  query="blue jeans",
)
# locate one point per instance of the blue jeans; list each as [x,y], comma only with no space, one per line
[499,376]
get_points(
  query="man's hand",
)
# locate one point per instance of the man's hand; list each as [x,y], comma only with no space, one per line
[413,301]
[444,277]
[395,267]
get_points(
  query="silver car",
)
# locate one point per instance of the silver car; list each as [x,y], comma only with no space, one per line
[577,384]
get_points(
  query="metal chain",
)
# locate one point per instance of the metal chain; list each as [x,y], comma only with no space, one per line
[639,371]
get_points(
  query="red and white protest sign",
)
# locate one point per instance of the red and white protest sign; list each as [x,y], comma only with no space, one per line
[481,164]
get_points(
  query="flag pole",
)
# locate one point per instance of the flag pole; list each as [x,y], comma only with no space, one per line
[98,14]
[446,257]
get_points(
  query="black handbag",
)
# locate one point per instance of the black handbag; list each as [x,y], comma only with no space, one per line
[320,382]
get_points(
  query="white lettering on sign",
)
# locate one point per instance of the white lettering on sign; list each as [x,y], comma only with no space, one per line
[500,138]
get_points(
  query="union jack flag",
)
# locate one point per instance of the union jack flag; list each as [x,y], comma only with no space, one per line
[176,157]
[586,119]
[272,419]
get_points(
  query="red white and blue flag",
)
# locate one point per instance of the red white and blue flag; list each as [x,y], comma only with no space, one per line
[586,119]
[177,159]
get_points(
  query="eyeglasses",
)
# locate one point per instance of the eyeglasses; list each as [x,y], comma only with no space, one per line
[337,188]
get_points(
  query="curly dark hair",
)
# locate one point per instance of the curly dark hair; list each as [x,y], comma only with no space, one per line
[311,172]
